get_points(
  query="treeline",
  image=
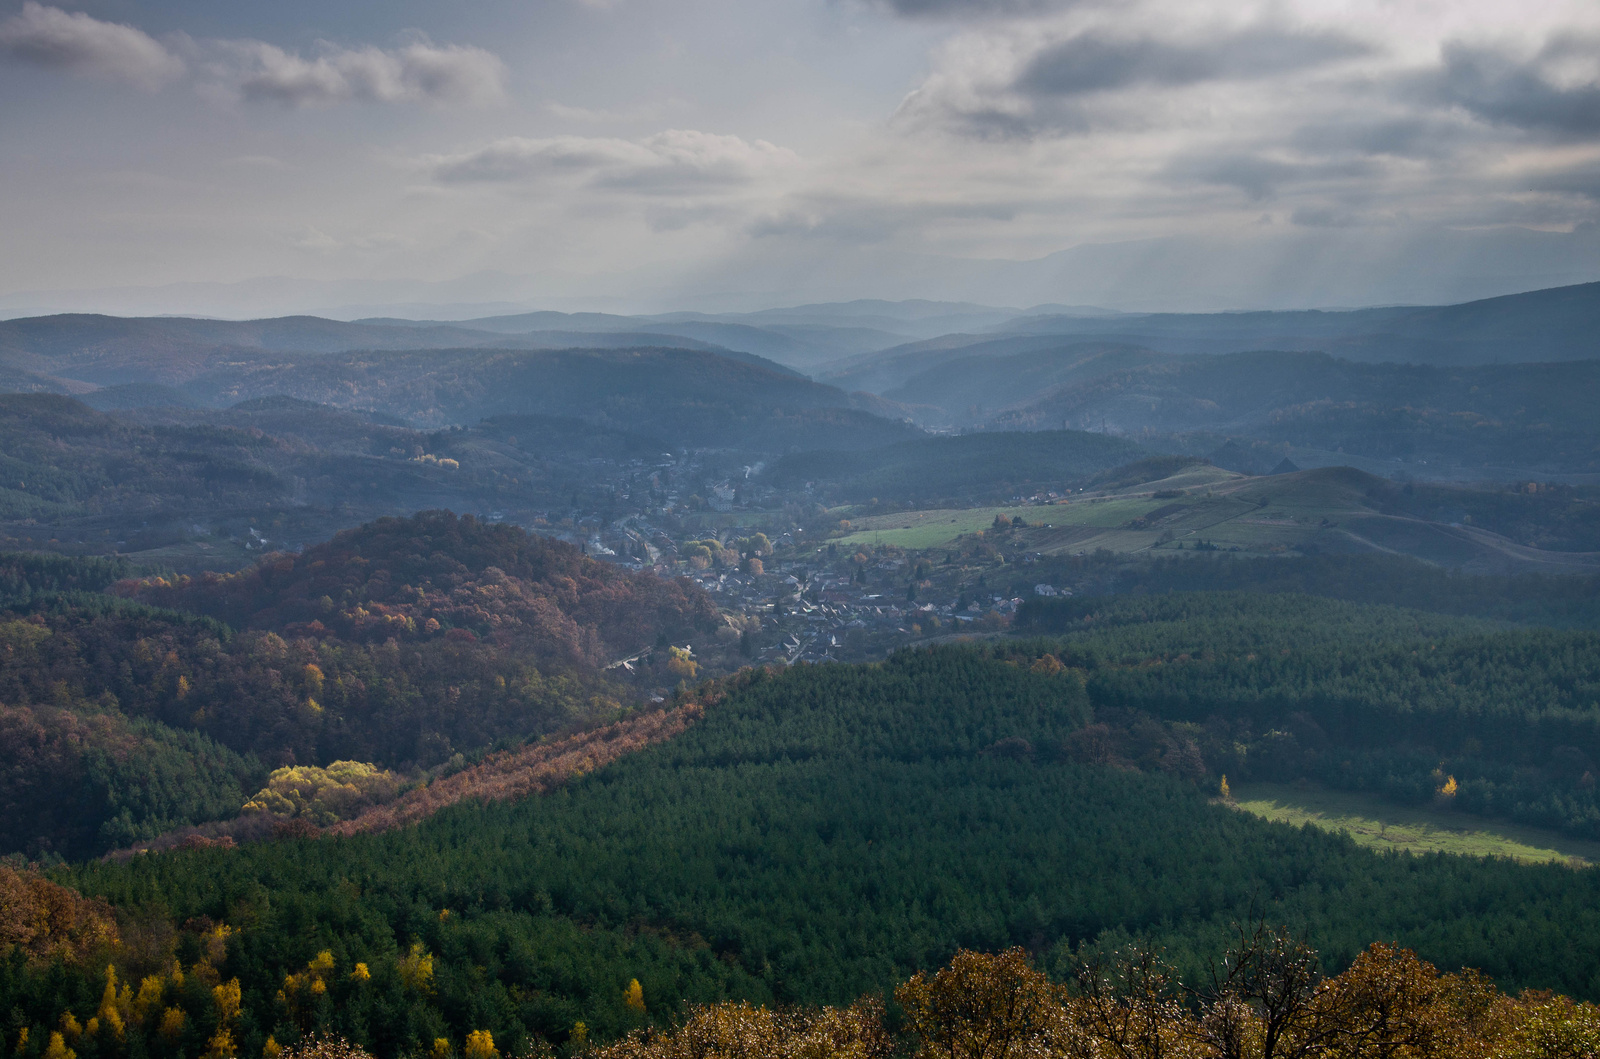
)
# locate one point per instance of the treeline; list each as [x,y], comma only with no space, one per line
[402,644]
[1364,698]
[822,832]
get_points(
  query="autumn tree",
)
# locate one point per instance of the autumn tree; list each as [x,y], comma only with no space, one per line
[1126,1005]
[1259,1001]
[984,1007]
[740,1030]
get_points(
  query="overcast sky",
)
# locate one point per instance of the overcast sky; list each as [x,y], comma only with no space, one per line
[699,152]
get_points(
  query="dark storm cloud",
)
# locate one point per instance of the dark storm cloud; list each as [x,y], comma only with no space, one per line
[1098,62]
[1501,89]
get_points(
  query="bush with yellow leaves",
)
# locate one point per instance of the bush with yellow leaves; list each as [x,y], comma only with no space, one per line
[324,796]
[480,1045]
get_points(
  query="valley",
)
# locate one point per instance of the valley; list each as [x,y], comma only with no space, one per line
[569,673]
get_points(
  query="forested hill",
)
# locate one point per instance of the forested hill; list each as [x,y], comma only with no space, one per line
[685,397]
[398,645]
[954,469]
[436,575]
[821,832]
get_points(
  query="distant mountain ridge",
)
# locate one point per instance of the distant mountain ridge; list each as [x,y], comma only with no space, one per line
[1561,323]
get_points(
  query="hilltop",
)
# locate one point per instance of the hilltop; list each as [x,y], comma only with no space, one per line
[1436,422]
[399,644]
[414,578]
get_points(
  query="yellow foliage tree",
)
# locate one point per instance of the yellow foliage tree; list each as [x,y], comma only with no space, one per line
[681,664]
[57,1048]
[220,1046]
[172,1022]
[109,1014]
[227,997]
[416,969]
[480,1045]
[1048,665]
[151,990]
[324,796]
[633,997]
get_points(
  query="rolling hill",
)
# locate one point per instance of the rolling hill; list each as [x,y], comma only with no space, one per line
[400,644]
[1325,511]
[971,467]
[823,831]
[684,397]
[1498,420]
[1560,323]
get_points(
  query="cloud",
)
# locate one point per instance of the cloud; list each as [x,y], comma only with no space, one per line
[78,43]
[1418,136]
[1260,176]
[675,161]
[420,72]
[1498,87]
[972,8]
[844,220]
[1020,84]
[1096,62]
[417,72]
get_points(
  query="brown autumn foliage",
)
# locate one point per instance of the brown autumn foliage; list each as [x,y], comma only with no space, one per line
[1265,1001]
[740,1030]
[47,920]
[323,1048]
[530,770]
[435,576]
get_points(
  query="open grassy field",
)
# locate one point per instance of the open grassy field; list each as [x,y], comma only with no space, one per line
[1380,824]
[928,529]
[1327,510]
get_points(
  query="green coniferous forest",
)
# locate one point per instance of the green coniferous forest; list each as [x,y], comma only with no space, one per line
[820,833]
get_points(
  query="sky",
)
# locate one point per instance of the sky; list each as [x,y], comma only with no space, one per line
[188,156]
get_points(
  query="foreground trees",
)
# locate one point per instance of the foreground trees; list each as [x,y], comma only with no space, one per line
[1265,1000]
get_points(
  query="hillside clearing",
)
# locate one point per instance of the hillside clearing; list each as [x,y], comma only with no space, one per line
[1378,824]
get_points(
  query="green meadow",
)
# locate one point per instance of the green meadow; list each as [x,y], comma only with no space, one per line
[1379,824]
